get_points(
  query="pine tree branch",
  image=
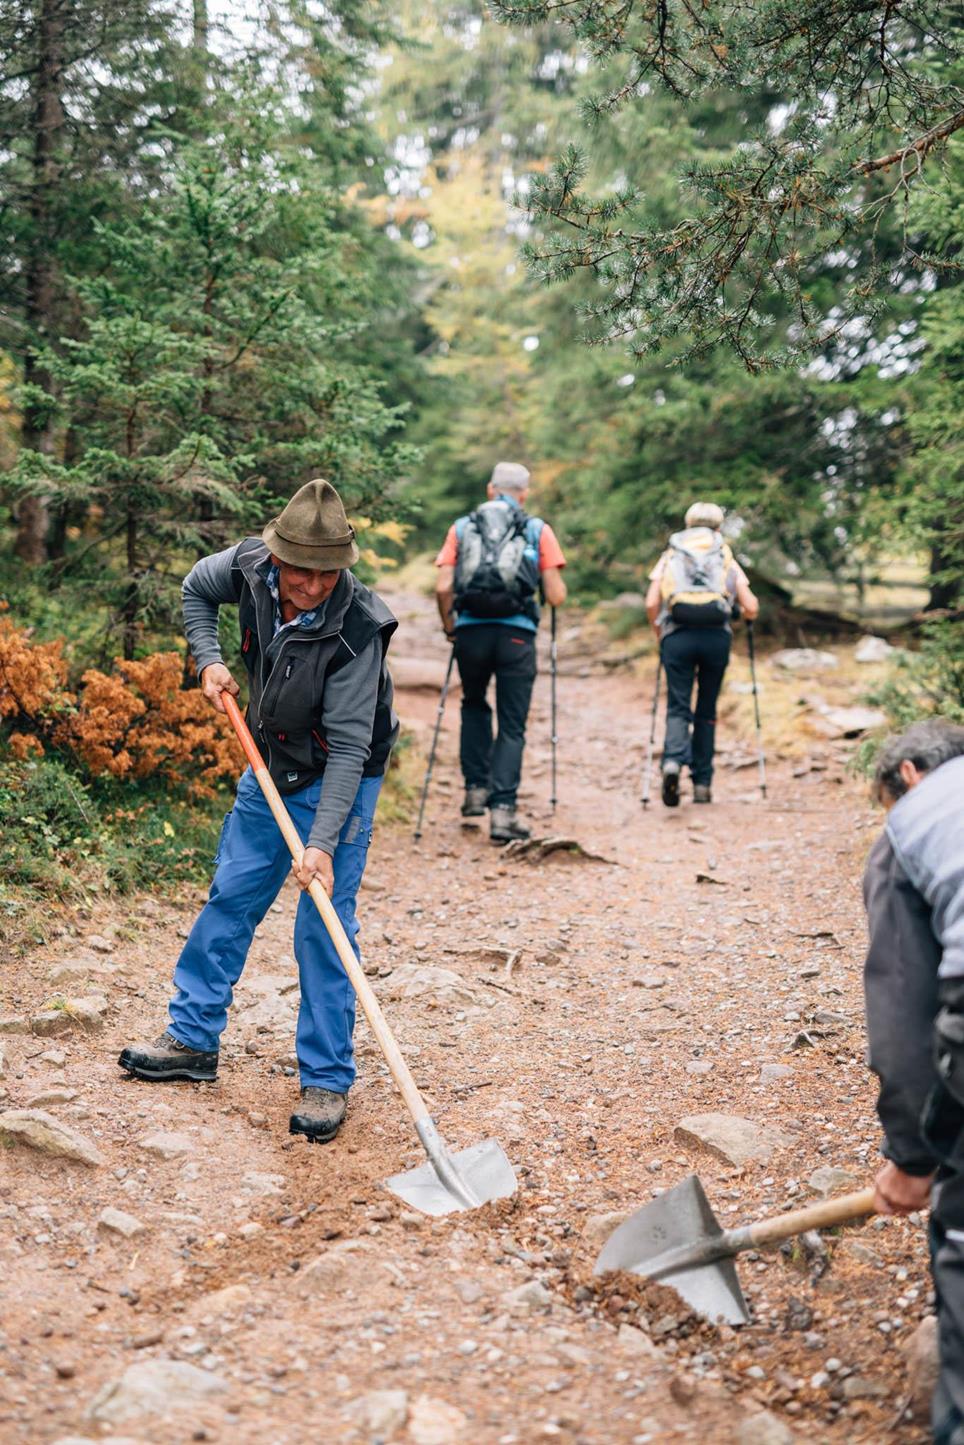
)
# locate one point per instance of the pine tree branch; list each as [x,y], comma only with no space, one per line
[919,147]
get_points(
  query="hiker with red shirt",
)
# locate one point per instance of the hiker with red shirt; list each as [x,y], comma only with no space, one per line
[694,590]
[490,568]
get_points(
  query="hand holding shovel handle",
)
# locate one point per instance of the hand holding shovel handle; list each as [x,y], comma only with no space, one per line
[454,1190]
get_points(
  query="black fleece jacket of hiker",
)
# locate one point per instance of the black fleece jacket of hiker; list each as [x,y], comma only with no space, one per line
[914,892]
[320,696]
[900,986]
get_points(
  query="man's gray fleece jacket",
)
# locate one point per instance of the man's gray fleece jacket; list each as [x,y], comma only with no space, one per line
[320,696]
[914,891]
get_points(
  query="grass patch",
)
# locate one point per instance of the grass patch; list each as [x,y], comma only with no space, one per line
[65,843]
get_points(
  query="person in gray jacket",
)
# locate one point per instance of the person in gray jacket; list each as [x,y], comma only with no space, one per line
[313,640]
[914,988]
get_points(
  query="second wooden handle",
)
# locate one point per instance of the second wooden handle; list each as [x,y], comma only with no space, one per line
[816,1216]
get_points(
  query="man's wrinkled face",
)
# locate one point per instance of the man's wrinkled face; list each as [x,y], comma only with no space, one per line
[303,588]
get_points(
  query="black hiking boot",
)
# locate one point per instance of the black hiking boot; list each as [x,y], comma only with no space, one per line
[168,1058]
[475,802]
[320,1115]
[702,793]
[671,785]
[504,826]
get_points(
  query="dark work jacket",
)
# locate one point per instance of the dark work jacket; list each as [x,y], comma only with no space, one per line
[287,672]
[900,987]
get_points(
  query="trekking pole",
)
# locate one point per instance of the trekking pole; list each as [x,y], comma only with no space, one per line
[647,776]
[552,674]
[756,709]
[431,756]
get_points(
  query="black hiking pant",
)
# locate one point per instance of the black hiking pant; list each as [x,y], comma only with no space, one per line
[508,653]
[943,1131]
[691,654]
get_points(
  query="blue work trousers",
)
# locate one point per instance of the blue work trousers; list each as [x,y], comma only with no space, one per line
[252,863]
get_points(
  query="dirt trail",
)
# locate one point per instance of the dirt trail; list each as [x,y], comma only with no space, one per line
[593,1006]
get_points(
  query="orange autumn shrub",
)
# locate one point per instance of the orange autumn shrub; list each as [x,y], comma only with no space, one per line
[138,722]
[141,723]
[33,677]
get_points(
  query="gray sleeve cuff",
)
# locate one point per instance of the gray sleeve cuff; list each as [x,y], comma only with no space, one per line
[347,718]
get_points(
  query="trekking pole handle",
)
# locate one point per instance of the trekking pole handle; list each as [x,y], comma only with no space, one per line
[366,997]
[817,1216]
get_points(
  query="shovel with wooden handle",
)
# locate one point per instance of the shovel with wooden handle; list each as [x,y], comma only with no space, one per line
[449,1181]
[678,1240]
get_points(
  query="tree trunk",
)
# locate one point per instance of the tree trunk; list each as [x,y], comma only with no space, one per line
[130,599]
[37,433]
[944,594]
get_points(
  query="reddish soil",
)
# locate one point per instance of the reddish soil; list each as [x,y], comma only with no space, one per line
[589,992]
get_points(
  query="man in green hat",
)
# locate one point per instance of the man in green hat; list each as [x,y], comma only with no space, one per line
[313,640]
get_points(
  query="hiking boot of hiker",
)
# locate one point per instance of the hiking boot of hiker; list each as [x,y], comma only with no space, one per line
[168,1058]
[320,1115]
[671,785]
[702,793]
[504,826]
[475,802]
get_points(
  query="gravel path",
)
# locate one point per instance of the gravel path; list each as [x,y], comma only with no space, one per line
[257,1290]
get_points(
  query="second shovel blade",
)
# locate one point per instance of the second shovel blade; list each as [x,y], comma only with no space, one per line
[679,1222]
[483,1168]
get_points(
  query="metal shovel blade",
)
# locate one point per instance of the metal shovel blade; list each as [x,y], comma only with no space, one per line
[458,1180]
[677,1240]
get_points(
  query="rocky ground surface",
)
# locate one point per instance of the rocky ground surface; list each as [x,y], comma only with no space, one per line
[175,1267]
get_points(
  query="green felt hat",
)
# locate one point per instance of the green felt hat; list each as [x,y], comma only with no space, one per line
[313,530]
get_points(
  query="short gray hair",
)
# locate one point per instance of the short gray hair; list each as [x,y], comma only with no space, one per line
[704,514]
[926,744]
[509,477]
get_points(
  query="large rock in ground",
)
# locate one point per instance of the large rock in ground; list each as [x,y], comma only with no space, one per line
[443,985]
[728,1137]
[155,1388]
[435,1422]
[850,722]
[380,1412]
[804,659]
[873,649]
[42,1131]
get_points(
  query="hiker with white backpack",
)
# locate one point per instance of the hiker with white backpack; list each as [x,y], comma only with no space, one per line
[694,592]
[492,566]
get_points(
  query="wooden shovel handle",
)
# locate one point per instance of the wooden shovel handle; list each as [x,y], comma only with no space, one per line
[376,1019]
[817,1216]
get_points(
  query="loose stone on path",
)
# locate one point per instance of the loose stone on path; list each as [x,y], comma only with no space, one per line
[42,1131]
[166,1145]
[154,1388]
[115,1221]
[729,1137]
[435,1422]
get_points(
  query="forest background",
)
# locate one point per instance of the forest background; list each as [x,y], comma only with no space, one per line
[245,246]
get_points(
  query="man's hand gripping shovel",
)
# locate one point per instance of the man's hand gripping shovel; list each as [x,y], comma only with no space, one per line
[448,1182]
